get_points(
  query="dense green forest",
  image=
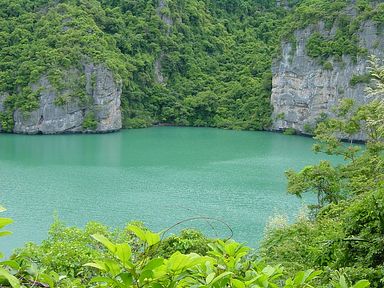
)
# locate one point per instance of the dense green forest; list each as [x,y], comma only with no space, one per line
[339,243]
[194,63]
[213,69]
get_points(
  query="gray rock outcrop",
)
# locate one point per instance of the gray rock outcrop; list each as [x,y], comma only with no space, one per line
[168,21]
[303,90]
[282,3]
[2,99]
[101,100]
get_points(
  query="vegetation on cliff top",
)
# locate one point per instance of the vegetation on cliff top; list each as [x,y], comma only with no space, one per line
[339,243]
[210,67]
[346,232]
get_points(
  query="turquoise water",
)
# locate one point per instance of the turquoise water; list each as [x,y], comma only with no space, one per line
[157,175]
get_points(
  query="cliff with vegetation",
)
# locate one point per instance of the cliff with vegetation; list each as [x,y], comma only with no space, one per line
[63,111]
[189,63]
[324,62]
[194,63]
[66,65]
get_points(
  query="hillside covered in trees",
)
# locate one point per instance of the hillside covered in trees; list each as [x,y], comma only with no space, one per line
[193,63]
[198,63]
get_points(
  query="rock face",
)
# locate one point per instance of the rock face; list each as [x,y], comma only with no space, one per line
[2,98]
[282,3]
[102,103]
[302,90]
[167,20]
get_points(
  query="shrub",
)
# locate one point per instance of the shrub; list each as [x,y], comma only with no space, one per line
[289,131]
[90,122]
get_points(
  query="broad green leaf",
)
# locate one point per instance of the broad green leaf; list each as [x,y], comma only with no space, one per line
[104,240]
[146,276]
[362,284]
[100,266]
[4,222]
[126,278]
[123,252]
[112,267]
[269,270]
[11,263]
[140,233]
[310,275]
[299,278]
[237,283]
[5,233]
[179,262]
[10,278]
[146,236]
[221,276]
[262,280]
[249,282]
[46,279]
[152,238]
[210,277]
[153,264]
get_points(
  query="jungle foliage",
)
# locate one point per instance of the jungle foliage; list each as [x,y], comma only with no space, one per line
[340,243]
[194,63]
[345,232]
[215,59]
[134,257]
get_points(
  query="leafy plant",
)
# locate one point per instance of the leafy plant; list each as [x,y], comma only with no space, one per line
[346,235]
[90,122]
[227,264]
[5,275]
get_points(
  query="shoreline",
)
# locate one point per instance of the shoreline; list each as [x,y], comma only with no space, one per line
[159,125]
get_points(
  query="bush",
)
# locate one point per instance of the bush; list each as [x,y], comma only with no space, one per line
[327,66]
[289,131]
[357,79]
[136,123]
[90,122]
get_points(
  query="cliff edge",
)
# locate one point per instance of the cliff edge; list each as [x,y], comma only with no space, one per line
[304,91]
[87,101]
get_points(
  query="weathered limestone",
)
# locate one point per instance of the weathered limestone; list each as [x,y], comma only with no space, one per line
[302,90]
[2,98]
[168,21]
[282,3]
[159,77]
[103,94]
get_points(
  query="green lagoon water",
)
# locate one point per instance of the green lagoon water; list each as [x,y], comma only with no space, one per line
[157,175]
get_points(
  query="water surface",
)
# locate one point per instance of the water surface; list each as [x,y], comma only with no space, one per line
[157,175]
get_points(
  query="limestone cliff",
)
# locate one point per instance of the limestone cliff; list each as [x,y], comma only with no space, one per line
[64,111]
[2,108]
[168,22]
[303,90]
[282,3]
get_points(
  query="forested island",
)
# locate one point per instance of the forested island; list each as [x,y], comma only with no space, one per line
[83,66]
[300,66]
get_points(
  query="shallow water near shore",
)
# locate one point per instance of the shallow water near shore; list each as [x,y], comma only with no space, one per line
[159,175]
